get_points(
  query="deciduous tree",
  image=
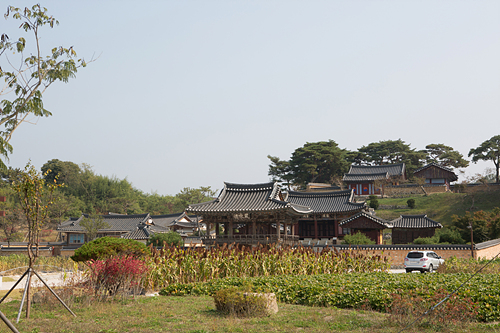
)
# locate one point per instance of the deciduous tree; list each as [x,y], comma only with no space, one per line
[35,197]
[92,224]
[27,77]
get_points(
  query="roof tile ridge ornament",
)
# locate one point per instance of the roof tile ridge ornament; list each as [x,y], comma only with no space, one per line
[275,193]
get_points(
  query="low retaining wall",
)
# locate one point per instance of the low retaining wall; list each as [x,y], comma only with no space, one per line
[397,253]
[408,190]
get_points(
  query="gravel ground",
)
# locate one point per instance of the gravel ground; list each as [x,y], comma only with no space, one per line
[52,279]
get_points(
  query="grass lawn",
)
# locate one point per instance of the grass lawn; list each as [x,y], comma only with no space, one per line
[441,206]
[198,314]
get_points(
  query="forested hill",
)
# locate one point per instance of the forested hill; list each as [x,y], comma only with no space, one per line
[84,191]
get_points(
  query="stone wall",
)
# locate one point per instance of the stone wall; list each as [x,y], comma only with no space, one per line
[488,250]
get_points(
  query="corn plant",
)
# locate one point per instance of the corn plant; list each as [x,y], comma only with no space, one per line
[177,265]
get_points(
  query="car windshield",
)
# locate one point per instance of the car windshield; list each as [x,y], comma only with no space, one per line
[415,255]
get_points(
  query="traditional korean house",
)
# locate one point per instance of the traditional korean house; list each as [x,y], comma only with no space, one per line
[250,214]
[369,179]
[366,223]
[129,226]
[407,228]
[181,223]
[328,209]
[436,174]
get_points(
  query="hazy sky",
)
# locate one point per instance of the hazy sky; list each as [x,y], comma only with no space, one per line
[195,93]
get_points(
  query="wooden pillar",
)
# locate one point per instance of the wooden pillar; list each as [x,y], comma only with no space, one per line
[315,228]
[208,229]
[231,229]
[254,228]
[284,228]
[217,229]
[278,229]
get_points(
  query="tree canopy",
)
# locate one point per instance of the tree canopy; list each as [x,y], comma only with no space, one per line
[27,77]
[489,150]
[445,156]
[392,152]
[314,162]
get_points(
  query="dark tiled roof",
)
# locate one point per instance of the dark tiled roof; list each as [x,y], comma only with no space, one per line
[368,216]
[246,198]
[116,223]
[391,169]
[144,232]
[414,222]
[170,219]
[326,202]
[453,177]
[365,177]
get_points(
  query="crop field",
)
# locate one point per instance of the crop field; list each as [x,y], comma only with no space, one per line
[317,292]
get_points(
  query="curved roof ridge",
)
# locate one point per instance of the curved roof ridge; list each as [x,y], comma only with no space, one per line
[319,194]
[237,186]
[434,164]
[414,215]
[376,166]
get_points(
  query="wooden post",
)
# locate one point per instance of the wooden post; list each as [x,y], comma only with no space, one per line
[278,229]
[254,228]
[230,229]
[315,228]
[216,229]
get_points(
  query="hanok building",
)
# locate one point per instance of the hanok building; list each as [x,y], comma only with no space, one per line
[366,223]
[139,227]
[181,223]
[369,179]
[328,209]
[407,228]
[250,214]
[436,174]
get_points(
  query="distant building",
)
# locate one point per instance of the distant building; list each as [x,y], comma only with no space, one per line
[363,178]
[250,214]
[368,224]
[407,228]
[436,174]
[328,209]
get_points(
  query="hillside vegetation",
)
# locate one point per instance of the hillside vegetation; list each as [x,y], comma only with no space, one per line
[441,206]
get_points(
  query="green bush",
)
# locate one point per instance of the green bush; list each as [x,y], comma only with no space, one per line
[450,236]
[171,238]
[442,236]
[426,240]
[373,201]
[410,203]
[240,303]
[106,247]
[357,239]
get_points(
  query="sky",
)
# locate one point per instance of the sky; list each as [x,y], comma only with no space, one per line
[197,93]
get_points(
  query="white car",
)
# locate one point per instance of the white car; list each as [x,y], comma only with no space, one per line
[423,261]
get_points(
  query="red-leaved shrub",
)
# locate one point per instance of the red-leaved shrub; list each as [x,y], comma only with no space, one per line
[116,275]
